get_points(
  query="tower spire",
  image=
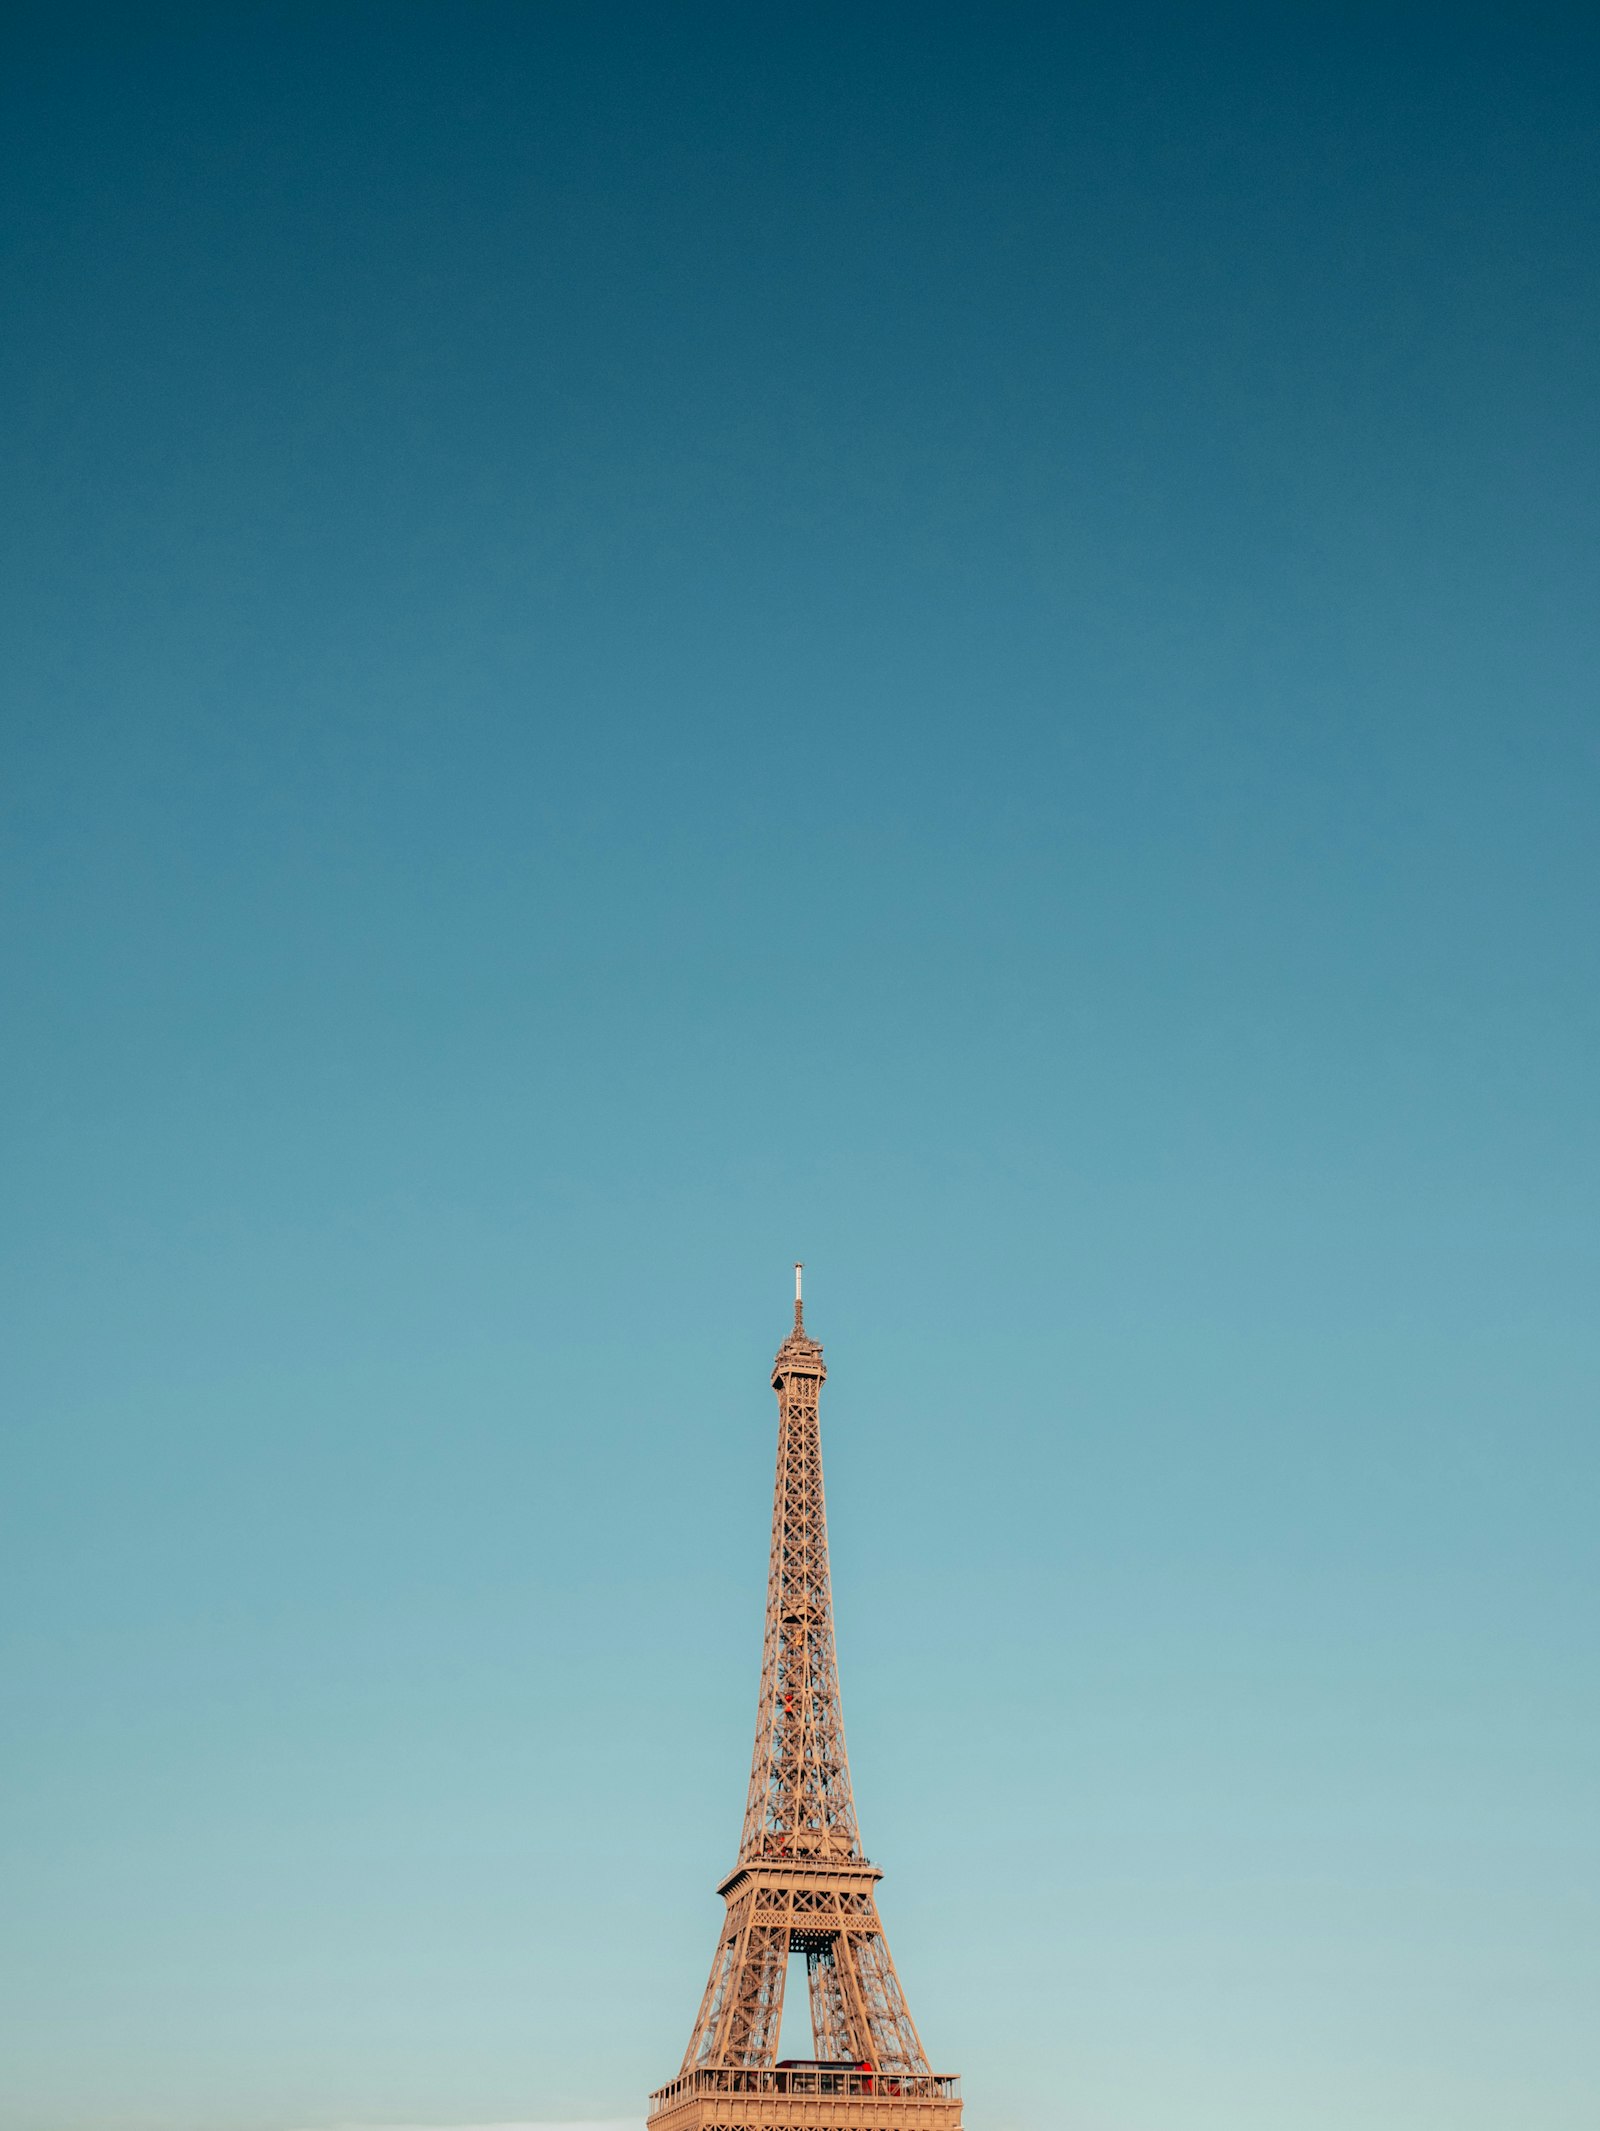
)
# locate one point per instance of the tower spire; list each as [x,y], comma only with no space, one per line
[802,1883]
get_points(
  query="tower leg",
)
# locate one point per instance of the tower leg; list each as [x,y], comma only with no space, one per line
[757,2010]
[872,1991]
[830,2019]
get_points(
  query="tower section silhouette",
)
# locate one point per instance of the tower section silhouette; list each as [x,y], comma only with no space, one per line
[802,1883]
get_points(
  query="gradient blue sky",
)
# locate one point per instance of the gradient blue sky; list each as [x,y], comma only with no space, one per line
[638,642]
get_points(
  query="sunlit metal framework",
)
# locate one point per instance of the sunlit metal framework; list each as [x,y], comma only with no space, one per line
[802,1884]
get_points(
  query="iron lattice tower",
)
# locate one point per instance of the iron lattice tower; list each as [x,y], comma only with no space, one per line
[802,1883]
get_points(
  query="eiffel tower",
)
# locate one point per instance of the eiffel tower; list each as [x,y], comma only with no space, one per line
[802,1883]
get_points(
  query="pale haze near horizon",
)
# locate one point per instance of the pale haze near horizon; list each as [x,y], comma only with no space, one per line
[626,2124]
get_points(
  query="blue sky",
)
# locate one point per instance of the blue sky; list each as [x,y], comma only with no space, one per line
[643,642]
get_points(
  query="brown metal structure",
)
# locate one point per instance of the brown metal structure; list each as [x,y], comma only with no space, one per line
[802,1883]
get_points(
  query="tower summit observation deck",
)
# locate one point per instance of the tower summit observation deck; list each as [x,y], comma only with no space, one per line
[802,1883]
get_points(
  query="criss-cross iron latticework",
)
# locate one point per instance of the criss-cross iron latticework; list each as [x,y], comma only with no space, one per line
[802,1884]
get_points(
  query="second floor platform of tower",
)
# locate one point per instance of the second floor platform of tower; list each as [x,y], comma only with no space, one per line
[852,2082]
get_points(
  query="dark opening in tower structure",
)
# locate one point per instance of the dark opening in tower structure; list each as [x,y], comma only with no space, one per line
[802,1883]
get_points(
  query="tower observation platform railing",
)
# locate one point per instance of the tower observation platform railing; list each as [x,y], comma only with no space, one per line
[739,2079]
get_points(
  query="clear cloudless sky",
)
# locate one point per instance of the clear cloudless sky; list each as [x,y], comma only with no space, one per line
[957,642]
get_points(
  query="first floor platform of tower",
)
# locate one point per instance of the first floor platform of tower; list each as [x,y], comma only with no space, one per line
[814,2098]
